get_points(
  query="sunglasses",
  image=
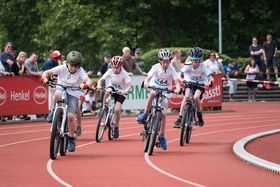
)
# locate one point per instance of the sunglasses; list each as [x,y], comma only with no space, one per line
[213,55]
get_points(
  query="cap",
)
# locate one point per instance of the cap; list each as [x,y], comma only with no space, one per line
[55,54]
[138,50]
[107,54]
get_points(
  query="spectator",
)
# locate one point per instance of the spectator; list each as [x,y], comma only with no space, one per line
[18,68]
[176,60]
[129,63]
[270,51]
[3,71]
[31,65]
[233,71]
[105,65]
[7,57]
[89,104]
[256,51]
[252,70]
[138,58]
[52,61]
[213,65]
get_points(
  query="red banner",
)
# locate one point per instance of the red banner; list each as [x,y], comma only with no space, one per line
[22,95]
[211,98]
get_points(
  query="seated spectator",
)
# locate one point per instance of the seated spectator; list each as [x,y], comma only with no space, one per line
[89,104]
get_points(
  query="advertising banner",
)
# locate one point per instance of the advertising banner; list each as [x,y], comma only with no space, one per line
[22,95]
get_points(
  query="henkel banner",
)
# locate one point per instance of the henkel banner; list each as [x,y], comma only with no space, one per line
[211,98]
[22,95]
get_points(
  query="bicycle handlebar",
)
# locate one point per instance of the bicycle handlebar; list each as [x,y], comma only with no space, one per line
[160,89]
[112,92]
[189,84]
[53,84]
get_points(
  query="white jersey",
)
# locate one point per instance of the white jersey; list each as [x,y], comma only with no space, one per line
[162,78]
[64,77]
[199,75]
[117,81]
[88,106]
[214,67]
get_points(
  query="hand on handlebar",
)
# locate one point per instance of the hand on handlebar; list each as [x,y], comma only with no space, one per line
[177,91]
[83,86]
[44,80]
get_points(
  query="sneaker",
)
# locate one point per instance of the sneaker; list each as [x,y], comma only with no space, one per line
[50,116]
[71,145]
[26,117]
[162,142]
[78,131]
[116,132]
[141,117]
[200,120]
[177,124]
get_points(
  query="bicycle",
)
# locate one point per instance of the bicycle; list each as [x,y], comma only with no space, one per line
[59,129]
[106,117]
[152,126]
[189,117]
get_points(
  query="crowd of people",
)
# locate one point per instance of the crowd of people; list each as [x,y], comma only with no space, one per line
[262,60]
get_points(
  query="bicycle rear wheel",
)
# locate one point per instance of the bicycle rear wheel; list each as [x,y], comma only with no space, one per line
[154,132]
[64,141]
[110,130]
[55,136]
[101,125]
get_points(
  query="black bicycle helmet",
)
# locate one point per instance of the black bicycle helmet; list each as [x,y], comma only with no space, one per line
[195,53]
[74,58]
[164,54]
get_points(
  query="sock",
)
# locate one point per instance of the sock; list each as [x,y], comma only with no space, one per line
[180,117]
[161,135]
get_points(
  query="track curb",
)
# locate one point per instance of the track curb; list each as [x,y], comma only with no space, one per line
[239,150]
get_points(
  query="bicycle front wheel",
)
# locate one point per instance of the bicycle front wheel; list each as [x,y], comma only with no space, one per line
[101,125]
[147,134]
[55,136]
[189,126]
[64,140]
[154,132]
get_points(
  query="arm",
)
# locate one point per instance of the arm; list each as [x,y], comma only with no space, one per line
[146,81]
[140,70]
[177,85]
[247,70]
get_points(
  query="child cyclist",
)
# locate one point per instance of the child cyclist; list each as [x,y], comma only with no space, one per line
[161,75]
[70,74]
[196,72]
[118,80]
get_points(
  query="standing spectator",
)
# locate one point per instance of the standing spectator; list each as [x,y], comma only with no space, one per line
[138,58]
[52,61]
[233,71]
[129,63]
[105,65]
[256,51]
[176,60]
[252,70]
[270,50]
[7,57]
[213,65]
[18,68]
[31,65]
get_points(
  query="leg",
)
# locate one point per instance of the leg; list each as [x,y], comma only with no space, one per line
[198,103]
[177,123]
[142,117]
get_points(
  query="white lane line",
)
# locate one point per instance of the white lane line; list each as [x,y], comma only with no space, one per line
[147,159]
[150,163]
[239,150]
[24,141]
[57,178]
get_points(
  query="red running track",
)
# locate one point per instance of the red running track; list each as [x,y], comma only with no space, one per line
[207,161]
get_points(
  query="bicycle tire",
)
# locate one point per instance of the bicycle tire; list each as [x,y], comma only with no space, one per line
[189,126]
[147,134]
[55,136]
[101,125]
[154,132]
[110,130]
[183,125]
[64,141]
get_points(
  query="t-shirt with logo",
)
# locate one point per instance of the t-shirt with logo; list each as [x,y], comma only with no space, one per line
[161,78]
[64,77]
[199,75]
[117,81]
